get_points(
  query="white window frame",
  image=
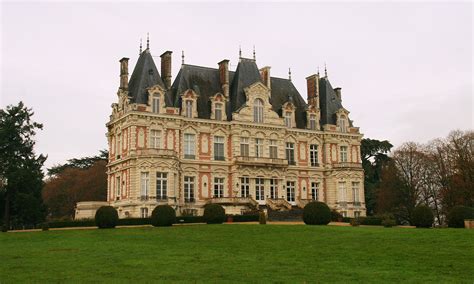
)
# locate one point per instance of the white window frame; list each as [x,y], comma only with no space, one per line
[259,189]
[356,191]
[188,108]
[313,155]
[258,147]
[218,111]
[312,121]
[273,148]
[161,185]
[273,188]
[258,111]
[290,153]
[144,212]
[144,184]
[155,104]
[155,139]
[315,191]
[189,146]
[189,189]
[288,119]
[343,151]
[219,146]
[219,187]
[290,191]
[342,124]
[244,147]
[244,186]
[342,191]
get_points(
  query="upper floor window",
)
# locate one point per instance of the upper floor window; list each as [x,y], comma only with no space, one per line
[155,105]
[219,148]
[244,146]
[258,147]
[313,155]
[342,192]
[343,154]
[188,189]
[189,146]
[259,189]
[218,187]
[258,111]
[290,153]
[342,124]
[218,111]
[288,118]
[314,190]
[312,122]
[117,186]
[155,138]
[273,149]
[118,148]
[189,108]
[355,191]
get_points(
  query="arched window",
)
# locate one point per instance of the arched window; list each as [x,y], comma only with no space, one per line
[258,111]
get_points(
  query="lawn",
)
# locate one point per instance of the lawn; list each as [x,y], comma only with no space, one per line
[239,253]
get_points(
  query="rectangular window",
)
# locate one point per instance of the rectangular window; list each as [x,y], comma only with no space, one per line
[342,125]
[312,122]
[244,146]
[218,111]
[355,192]
[244,187]
[218,187]
[288,118]
[343,154]
[356,214]
[290,153]
[155,105]
[155,139]
[290,191]
[189,108]
[315,191]
[144,212]
[117,186]
[342,191]
[144,185]
[273,149]
[273,188]
[219,148]
[188,189]
[313,155]
[189,146]
[259,189]
[258,147]
[118,148]
[161,186]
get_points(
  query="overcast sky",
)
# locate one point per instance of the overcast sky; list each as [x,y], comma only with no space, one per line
[405,69]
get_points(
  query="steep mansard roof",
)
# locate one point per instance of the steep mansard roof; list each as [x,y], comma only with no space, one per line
[205,83]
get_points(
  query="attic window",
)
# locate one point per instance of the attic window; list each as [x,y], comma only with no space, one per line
[155,106]
[312,122]
[189,108]
[218,111]
[342,124]
[258,111]
[288,118]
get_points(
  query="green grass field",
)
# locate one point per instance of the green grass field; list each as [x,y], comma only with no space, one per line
[239,253]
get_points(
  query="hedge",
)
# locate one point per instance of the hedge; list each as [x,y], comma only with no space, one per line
[245,218]
[371,220]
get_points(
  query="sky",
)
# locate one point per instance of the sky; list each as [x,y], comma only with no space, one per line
[405,68]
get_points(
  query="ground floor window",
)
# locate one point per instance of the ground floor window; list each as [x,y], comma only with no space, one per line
[356,214]
[259,189]
[314,190]
[273,188]
[290,191]
[344,214]
[161,185]
[188,189]
[144,212]
[245,186]
[144,185]
[218,187]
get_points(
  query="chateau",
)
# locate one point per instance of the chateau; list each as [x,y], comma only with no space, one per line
[242,139]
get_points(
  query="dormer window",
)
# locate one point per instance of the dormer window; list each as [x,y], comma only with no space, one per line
[218,111]
[155,105]
[189,108]
[258,111]
[288,119]
[312,122]
[342,124]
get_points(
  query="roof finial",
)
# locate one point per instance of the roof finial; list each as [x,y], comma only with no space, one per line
[240,52]
[325,70]
[254,58]
[318,70]
[289,74]
[182,57]
[147,41]
[140,47]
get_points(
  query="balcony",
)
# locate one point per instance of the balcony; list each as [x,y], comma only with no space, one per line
[232,201]
[347,165]
[165,153]
[260,161]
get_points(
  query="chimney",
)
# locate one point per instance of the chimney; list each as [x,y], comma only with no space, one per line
[265,75]
[312,84]
[124,73]
[338,94]
[166,68]
[224,76]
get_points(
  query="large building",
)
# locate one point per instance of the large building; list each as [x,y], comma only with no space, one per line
[242,139]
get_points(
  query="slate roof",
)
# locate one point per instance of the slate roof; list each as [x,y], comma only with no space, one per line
[145,75]
[204,81]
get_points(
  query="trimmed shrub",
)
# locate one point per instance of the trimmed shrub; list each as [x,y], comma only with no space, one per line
[422,217]
[458,214]
[262,219]
[336,216]
[106,217]
[388,220]
[134,221]
[214,214]
[316,213]
[371,221]
[163,216]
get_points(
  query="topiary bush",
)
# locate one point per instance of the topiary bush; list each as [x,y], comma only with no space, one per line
[316,213]
[163,216]
[262,219]
[106,217]
[458,214]
[422,217]
[214,214]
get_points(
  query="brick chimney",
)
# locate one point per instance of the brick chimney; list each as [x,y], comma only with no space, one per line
[124,73]
[265,75]
[312,84]
[166,68]
[338,94]
[224,76]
